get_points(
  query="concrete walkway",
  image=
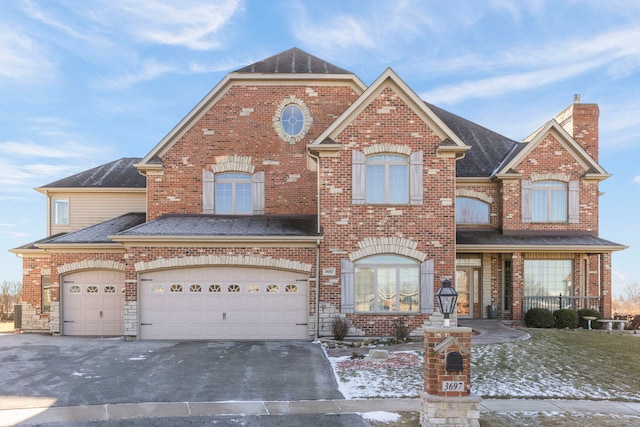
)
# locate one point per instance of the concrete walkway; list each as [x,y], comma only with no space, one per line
[124,411]
[492,331]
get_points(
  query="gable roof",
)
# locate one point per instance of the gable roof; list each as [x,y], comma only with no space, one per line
[593,168]
[389,77]
[117,174]
[293,61]
[98,233]
[292,64]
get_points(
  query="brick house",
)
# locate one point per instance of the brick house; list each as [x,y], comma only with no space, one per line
[293,194]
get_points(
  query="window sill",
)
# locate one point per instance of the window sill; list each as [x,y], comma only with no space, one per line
[387,313]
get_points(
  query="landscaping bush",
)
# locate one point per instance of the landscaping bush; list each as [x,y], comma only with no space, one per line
[538,318]
[589,312]
[401,330]
[566,318]
[339,328]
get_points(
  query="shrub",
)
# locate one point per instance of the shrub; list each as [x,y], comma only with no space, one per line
[401,330]
[339,328]
[566,318]
[589,312]
[538,318]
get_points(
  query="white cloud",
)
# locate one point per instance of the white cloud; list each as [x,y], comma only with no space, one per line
[37,150]
[195,24]
[636,179]
[147,70]
[22,59]
[14,234]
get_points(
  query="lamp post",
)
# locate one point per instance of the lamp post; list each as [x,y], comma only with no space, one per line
[447,298]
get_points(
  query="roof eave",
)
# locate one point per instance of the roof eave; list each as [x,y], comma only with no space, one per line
[468,248]
[184,239]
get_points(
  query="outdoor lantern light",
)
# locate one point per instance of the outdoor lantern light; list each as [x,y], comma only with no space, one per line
[447,297]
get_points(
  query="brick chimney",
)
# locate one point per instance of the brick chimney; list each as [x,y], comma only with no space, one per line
[581,122]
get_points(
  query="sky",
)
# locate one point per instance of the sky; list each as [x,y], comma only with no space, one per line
[83,83]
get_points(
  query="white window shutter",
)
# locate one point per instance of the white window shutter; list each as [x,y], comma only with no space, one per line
[257,182]
[574,202]
[415,178]
[208,188]
[527,201]
[358,178]
[426,286]
[348,276]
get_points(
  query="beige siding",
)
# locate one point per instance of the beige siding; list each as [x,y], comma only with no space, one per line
[91,208]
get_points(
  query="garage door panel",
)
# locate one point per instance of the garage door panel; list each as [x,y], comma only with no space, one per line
[92,303]
[242,303]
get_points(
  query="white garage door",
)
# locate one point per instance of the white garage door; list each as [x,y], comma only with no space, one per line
[92,303]
[223,303]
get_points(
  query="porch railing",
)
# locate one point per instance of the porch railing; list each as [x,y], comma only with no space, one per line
[559,302]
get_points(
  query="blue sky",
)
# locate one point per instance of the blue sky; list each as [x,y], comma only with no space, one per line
[83,83]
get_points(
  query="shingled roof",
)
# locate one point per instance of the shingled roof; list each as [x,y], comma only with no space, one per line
[488,149]
[117,174]
[98,233]
[293,61]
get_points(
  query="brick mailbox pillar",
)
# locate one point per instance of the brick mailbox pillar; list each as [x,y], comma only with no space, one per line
[447,399]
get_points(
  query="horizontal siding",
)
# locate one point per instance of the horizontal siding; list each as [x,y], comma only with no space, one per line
[91,208]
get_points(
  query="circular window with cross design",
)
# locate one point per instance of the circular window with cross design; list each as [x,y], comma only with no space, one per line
[292,119]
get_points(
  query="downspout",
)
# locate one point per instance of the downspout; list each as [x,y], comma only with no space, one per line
[317,299]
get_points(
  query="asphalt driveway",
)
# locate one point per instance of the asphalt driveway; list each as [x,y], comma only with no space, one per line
[70,371]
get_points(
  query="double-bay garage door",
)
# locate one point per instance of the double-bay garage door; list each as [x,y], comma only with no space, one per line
[223,303]
[92,303]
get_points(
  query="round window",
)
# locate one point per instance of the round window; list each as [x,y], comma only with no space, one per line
[292,120]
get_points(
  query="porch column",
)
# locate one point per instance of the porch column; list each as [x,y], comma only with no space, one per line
[605,284]
[517,268]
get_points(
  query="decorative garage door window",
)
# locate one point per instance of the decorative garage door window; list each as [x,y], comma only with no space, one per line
[75,289]
[272,289]
[175,288]
[195,288]
[92,289]
[232,289]
[215,288]
[291,289]
[157,288]
[109,289]
[253,289]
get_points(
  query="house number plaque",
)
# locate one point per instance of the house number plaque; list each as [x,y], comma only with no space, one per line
[453,386]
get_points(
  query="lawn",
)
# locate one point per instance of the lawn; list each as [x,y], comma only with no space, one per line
[558,364]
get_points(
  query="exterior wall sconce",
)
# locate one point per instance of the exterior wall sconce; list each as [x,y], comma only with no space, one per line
[447,298]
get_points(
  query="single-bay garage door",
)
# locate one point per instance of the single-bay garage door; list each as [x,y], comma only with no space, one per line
[223,303]
[92,303]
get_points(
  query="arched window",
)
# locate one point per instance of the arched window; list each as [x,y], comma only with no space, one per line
[471,211]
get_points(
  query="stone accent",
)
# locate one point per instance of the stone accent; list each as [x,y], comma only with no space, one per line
[88,264]
[386,148]
[377,355]
[231,260]
[32,321]
[384,245]
[550,177]
[234,163]
[436,411]
[54,318]
[131,319]
[327,313]
[466,192]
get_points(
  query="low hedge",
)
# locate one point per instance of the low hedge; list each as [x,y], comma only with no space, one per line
[538,318]
[566,318]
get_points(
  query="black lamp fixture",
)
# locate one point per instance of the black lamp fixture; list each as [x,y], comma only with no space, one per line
[447,298]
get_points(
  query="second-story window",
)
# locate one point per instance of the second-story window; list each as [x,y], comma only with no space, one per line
[61,212]
[471,211]
[233,194]
[387,179]
[549,201]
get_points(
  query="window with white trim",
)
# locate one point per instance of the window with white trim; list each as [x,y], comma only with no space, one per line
[60,211]
[471,211]
[551,201]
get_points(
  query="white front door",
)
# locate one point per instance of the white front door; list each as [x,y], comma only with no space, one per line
[223,303]
[92,303]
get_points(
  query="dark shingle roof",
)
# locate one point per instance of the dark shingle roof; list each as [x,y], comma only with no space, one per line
[294,61]
[492,237]
[214,225]
[117,174]
[98,233]
[488,148]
